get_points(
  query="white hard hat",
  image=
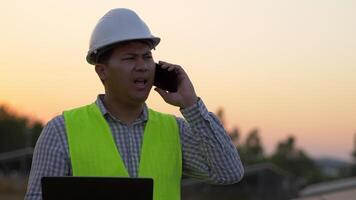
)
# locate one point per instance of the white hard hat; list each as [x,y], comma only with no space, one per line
[118,25]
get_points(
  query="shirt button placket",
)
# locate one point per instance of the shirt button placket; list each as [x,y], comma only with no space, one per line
[131,152]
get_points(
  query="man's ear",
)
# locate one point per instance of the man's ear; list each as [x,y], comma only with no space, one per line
[101,70]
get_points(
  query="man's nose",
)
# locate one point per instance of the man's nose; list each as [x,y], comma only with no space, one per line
[141,65]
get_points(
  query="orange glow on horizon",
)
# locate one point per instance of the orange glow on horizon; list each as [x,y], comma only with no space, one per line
[282,67]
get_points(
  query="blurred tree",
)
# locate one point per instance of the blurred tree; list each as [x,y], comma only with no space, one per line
[296,161]
[12,130]
[251,151]
[16,132]
[352,170]
[286,155]
[220,113]
[353,154]
[235,135]
[35,131]
[349,170]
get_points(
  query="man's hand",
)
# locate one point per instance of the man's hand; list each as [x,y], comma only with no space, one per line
[185,96]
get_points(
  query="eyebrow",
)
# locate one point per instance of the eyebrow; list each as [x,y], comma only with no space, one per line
[135,54]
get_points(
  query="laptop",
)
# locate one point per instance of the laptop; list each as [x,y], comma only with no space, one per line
[90,188]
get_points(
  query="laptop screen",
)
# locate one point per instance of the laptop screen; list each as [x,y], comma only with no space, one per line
[90,188]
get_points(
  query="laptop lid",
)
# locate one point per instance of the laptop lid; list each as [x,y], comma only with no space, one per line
[90,188]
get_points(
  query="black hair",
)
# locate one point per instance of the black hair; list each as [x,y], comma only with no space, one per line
[105,53]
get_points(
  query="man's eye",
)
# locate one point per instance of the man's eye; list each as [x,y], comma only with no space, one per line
[129,58]
[148,57]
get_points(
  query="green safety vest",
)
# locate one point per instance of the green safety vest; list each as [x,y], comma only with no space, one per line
[93,151]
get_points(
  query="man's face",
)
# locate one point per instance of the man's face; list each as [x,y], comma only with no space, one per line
[129,73]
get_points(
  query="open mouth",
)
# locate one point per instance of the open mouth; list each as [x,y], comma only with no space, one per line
[140,82]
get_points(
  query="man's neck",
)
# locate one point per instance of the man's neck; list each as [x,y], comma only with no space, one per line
[126,113]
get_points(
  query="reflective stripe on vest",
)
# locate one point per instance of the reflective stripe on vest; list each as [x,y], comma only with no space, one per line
[93,151]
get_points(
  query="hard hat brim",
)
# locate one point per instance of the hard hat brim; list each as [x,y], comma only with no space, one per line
[92,55]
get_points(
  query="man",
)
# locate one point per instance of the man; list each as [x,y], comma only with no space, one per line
[119,135]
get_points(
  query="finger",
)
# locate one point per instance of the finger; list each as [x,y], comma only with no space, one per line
[180,71]
[163,64]
[166,65]
[163,93]
[172,67]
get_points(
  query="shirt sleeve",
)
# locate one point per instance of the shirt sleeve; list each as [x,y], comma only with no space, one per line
[208,152]
[49,157]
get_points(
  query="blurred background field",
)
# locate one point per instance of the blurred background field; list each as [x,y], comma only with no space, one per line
[12,188]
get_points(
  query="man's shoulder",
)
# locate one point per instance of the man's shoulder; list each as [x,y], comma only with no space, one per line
[153,111]
[56,122]
[160,114]
[180,120]
[76,108]
[53,133]
[59,120]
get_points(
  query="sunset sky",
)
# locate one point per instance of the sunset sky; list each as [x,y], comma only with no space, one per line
[282,66]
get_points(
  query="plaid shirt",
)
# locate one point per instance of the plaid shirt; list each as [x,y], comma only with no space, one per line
[207,151]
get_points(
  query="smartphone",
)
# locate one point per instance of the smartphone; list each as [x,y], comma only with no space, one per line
[166,80]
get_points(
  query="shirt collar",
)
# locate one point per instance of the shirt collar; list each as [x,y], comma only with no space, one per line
[104,111]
